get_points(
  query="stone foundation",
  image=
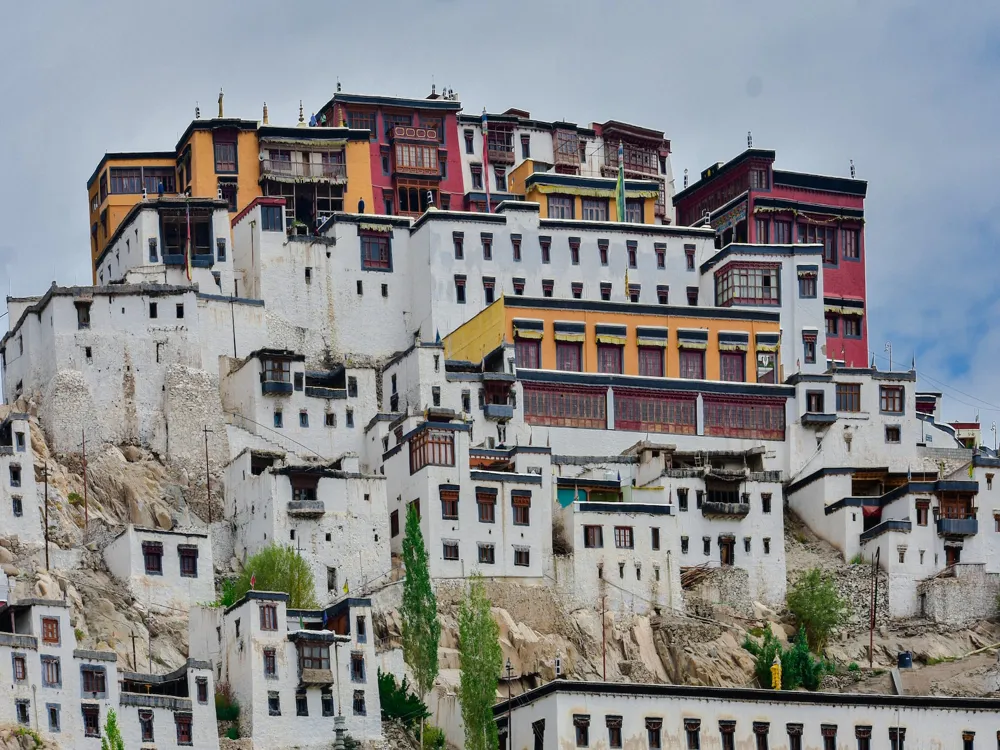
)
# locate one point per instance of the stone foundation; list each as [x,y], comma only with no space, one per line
[968,594]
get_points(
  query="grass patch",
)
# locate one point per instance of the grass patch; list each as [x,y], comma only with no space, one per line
[932,660]
[853,667]
[858,559]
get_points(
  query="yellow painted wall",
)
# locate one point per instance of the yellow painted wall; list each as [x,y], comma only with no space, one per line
[357,157]
[483,333]
[478,336]
[204,180]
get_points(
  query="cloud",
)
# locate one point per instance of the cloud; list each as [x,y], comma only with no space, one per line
[910,92]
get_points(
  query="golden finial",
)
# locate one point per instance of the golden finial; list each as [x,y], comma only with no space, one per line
[197,111]
[301,116]
[220,103]
[265,113]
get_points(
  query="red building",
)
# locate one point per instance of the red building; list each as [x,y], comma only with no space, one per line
[749,201]
[414,149]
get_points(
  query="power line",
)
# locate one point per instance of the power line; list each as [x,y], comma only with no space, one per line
[989,406]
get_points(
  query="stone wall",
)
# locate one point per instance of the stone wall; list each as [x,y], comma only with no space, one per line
[729,586]
[534,606]
[968,595]
[190,403]
[854,585]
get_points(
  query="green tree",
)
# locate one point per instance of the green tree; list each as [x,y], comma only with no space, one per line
[480,659]
[278,568]
[817,607]
[798,668]
[111,739]
[398,702]
[421,629]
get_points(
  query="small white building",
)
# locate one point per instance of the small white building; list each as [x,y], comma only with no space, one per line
[20,515]
[333,515]
[163,569]
[563,714]
[150,243]
[292,672]
[481,509]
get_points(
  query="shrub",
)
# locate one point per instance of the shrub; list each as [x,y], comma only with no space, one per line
[277,568]
[858,559]
[233,733]
[399,703]
[817,607]
[798,668]
[75,499]
[433,738]
[853,667]
[226,707]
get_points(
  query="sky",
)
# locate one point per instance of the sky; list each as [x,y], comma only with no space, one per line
[909,90]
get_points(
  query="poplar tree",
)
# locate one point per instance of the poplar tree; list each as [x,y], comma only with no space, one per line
[481,659]
[111,738]
[421,629]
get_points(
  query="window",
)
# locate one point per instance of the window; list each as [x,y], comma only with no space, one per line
[268,617]
[892,434]
[602,249]
[349,417]
[568,356]
[809,350]
[651,361]
[326,701]
[358,703]
[432,447]
[849,244]
[152,553]
[53,711]
[270,663]
[23,714]
[682,498]
[761,227]
[692,295]
[459,240]
[91,720]
[450,550]
[747,284]
[547,286]
[50,630]
[733,366]
[515,245]
[521,502]
[487,503]
[477,176]
[525,147]
[807,287]
[661,255]
[315,655]
[278,418]
[17,507]
[545,244]
[922,513]
[632,251]
[593,537]
[634,210]
[782,232]
[707,545]
[272,218]
[273,703]
[582,726]
[94,681]
[125,181]
[51,674]
[624,538]
[352,387]
[767,545]
[794,736]
[394,524]
[609,358]
[727,730]
[15,476]
[760,729]
[829,733]
[765,502]
[486,554]
[375,252]
[180,310]
[449,504]
[968,741]
[303,419]
[689,257]
[594,209]
[468,141]
[301,704]
[577,289]
[891,399]
[692,364]
[758,179]
[499,174]
[825,236]
[692,731]
[989,481]
[897,738]
[229,190]
[489,284]
[83,315]
[605,291]
[852,326]
[189,561]
[864,737]
[848,397]
[655,538]
[684,545]
[361,629]
[460,289]
[574,250]
[357,666]
[831,325]
[522,557]
[614,724]
[225,157]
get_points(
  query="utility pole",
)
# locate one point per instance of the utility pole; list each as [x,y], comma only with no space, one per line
[509,669]
[135,659]
[604,641]
[86,508]
[232,314]
[874,590]
[208,478]
[46,471]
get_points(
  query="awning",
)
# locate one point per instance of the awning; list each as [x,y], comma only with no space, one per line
[807,271]
[528,329]
[611,334]
[734,342]
[649,336]
[569,331]
[768,342]
[692,338]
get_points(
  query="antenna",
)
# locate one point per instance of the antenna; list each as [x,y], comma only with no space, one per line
[749,140]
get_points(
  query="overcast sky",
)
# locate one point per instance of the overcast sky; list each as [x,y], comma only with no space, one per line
[909,90]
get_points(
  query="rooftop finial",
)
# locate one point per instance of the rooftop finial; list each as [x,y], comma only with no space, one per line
[197,111]
[265,113]
[685,178]
[221,94]
[852,169]
[338,84]
[749,139]
[301,116]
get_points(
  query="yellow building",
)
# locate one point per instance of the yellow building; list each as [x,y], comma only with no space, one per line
[566,196]
[240,160]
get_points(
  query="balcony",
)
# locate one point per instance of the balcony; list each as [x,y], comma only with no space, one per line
[301,170]
[500,154]
[306,508]
[957,526]
[816,419]
[711,509]
[498,411]
[275,386]
[318,391]
[169,702]
[317,677]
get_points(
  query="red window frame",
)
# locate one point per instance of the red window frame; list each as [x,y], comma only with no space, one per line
[376,252]
[528,353]
[610,358]
[569,356]
[651,362]
[432,447]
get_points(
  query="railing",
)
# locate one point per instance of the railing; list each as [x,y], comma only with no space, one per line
[333,171]
[275,386]
[500,154]
[737,510]
[306,508]
[498,411]
[893,524]
[170,702]
[957,526]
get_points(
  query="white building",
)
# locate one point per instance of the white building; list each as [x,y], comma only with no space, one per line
[333,515]
[163,569]
[485,510]
[20,514]
[564,714]
[293,671]
[150,243]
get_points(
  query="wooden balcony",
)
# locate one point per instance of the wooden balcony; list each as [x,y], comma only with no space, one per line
[300,170]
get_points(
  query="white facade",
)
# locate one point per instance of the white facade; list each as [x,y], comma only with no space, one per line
[20,514]
[169,570]
[284,701]
[140,251]
[576,714]
[333,515]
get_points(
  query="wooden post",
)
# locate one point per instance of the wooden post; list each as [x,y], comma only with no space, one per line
[46,470]
[86,508]
[208,477]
